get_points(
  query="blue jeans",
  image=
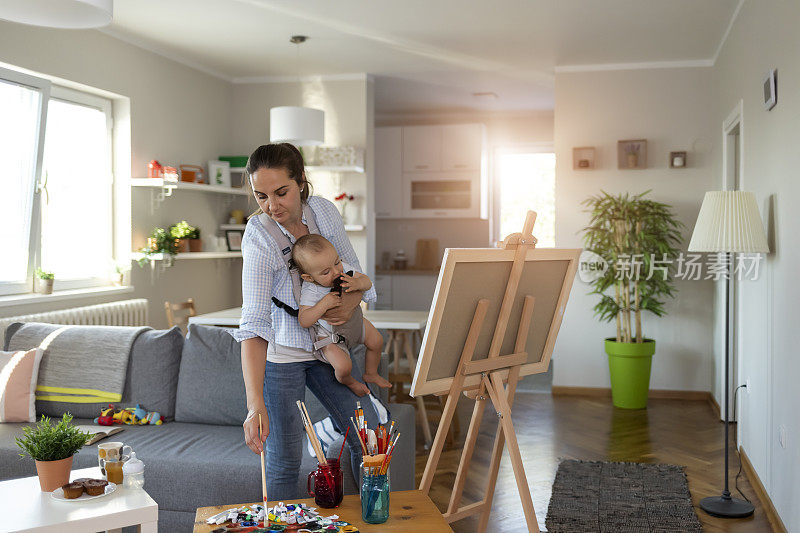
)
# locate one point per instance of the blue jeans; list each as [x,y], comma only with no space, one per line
[284,384]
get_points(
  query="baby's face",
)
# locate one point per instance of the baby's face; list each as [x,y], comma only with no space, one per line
[323,267]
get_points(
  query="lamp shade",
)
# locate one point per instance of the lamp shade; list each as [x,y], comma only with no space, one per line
[301,126]
[70,14]
[729,221]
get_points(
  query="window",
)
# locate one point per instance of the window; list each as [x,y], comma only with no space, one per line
[524,179]
[56,198]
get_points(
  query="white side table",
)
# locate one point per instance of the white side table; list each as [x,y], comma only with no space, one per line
[26,508]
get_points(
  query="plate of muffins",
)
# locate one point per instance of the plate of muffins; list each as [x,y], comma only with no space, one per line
[83,489]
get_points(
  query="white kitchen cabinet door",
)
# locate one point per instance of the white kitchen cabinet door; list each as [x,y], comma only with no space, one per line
[462,146]
[383,288]
[412,292]
[422,148]
[388,172]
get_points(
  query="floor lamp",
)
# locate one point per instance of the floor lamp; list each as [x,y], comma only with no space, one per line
[728,223]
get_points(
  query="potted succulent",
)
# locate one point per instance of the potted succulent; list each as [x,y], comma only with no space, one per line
[195,244]
[182,232]
[43,281]
[159,242]
[52,447]
[638,239]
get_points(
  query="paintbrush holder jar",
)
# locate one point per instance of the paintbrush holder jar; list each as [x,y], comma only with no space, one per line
[325,484]
[374,496]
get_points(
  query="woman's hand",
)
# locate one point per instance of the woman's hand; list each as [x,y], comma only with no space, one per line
[250,426]
[339,315]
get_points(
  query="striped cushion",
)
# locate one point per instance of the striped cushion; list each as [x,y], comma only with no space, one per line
[18,374]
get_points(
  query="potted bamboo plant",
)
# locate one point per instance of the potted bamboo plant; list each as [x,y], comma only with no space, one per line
[638,239]
[52,447]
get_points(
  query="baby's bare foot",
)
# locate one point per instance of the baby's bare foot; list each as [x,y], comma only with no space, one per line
[359,388]
[377,380]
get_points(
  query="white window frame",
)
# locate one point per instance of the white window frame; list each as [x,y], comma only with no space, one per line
[48,91]
[521,148]
[104,105]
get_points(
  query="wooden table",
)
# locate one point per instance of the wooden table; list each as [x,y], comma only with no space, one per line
[27,508]
[409,510]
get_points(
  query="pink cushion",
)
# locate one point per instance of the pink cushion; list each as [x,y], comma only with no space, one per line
[18,374]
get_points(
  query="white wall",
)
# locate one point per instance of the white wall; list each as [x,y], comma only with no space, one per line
[671,108]
[348,108]
[177,115]
[764,36]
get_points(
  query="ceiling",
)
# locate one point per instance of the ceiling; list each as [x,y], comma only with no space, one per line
[429,56]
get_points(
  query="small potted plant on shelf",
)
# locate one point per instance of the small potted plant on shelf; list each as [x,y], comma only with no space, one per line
[638,240]
[632,154]
[52,448]
[182,232]
[121,274]
[43,281]
[159,242]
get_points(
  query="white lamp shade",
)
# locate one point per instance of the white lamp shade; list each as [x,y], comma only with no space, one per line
[71,14]
[729,222]
[301,126]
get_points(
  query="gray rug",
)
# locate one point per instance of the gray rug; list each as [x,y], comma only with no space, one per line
[595,496]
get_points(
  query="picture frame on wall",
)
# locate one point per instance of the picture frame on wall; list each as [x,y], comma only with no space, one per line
[233,238]
[219,173]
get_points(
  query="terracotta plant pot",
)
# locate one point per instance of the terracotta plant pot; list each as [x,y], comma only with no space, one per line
[53,474]
[183,245]
[195,245]
[43,286]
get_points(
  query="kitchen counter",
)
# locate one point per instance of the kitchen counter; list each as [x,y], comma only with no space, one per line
[407,272]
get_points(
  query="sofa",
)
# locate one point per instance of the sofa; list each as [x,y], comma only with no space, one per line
[197,458]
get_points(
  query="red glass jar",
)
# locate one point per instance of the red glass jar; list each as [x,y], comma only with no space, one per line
[325,484]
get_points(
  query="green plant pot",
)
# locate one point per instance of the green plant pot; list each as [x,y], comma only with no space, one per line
[629,365]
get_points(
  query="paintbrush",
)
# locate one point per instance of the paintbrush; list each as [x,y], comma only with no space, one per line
[263,474]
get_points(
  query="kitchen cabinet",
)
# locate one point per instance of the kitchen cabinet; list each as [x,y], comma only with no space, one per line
[462,147]
[442,195]
[422,148]
[388,172]
[405,292]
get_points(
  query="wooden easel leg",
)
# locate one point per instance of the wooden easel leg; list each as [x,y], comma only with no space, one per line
[500,402]
[466,455]
[438,442]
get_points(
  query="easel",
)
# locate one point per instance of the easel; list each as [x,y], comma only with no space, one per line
[491,383]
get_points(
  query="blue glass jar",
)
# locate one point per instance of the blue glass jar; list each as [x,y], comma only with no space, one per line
[374,497]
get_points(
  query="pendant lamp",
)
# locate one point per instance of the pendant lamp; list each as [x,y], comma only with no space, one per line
[68,14]
[300,126]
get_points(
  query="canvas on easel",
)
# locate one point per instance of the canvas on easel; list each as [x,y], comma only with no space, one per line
[495,318]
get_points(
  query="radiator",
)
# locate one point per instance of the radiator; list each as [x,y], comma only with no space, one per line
[122,313]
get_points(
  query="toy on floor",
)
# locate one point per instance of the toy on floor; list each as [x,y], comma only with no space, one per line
[130,416]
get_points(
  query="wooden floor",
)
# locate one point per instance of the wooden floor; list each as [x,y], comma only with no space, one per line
[682,432]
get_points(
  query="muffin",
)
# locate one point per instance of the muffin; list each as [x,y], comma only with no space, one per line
[82,480]
[72,490]
[95,487]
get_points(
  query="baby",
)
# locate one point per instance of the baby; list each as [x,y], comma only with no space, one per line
[320,267]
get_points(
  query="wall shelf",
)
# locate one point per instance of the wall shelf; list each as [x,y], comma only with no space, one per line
[224,227]
[190,255]
[168,186]
[354,227]
[327,168]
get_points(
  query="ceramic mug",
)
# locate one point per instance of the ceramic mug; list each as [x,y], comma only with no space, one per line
[111,451]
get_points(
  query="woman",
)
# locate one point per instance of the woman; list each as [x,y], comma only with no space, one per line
[277,359]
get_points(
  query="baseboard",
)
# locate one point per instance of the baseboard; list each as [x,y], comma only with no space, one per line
[604,392]
[755,482]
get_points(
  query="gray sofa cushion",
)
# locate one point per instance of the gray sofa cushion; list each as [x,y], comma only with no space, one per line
[211,386]
[150,380]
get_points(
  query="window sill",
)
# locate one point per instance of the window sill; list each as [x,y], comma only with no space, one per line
[32,298]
